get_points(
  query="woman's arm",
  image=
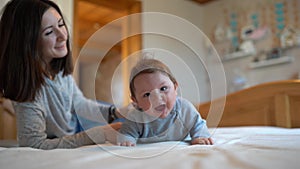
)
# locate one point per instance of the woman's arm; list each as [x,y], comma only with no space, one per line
[88,108]
[31,126]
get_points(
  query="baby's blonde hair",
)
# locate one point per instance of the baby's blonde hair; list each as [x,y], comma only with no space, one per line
[146,65]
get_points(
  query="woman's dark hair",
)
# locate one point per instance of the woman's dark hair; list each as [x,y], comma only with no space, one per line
[21,72]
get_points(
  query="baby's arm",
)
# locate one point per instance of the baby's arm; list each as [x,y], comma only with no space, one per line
[126,140]
[206,141]
[127,143]
[199,132]
[128,134]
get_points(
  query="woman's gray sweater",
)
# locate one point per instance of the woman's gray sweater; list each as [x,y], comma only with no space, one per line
[52,120]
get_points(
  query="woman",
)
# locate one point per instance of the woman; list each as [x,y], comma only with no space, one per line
[35,72]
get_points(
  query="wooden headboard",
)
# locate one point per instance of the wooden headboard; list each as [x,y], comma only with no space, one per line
[269,104]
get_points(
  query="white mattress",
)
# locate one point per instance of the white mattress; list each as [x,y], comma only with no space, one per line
[234,148]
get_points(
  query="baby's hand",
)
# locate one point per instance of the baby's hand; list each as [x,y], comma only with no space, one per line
[127,143]
[206,141]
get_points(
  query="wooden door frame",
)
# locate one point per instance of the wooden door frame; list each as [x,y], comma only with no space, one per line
[130,6]
[128,45]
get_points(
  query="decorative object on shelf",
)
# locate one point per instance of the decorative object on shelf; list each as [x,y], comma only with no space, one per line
[268,55]
[270,62]
[272,57]
[250,32]
[220,33]
[248,47]
[247,31]
[234,29]
[236,55]
[266,24]
[259,33]
[289,37]
[274,53]
[279,12]
[255,20]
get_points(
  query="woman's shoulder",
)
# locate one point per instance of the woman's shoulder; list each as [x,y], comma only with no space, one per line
[61,76]
[60,80]
[25,107]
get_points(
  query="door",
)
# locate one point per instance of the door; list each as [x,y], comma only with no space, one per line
[90,18]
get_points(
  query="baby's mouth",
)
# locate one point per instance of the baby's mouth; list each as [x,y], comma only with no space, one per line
[160,108]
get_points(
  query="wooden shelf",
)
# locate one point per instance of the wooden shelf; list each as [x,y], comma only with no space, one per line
[237,55]
[270,62]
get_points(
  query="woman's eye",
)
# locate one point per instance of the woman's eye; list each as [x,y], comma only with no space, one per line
[48,33]
[61,24]
[146,95]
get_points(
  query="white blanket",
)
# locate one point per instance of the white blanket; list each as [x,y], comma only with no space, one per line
[234,148]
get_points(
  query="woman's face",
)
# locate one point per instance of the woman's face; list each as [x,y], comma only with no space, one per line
[155,93]
[53,36]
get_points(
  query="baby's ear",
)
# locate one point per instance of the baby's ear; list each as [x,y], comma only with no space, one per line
[133,98]
[175,87]
[134,102]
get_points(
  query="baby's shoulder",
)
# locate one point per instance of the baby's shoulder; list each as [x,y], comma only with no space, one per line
[183,103]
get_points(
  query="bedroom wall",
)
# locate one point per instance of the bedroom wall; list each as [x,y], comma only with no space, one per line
[267,15]
[67,9]
[190,71]
[239,75]
[3,2]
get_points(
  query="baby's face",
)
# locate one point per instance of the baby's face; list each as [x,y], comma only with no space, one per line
[155,93]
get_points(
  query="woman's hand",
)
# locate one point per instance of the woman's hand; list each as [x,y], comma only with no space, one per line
[205,141]
[116,125]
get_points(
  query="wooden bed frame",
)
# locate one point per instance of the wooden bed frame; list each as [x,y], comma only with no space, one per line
[269,104]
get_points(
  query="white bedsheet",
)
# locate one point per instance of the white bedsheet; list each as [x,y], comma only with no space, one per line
[234,148]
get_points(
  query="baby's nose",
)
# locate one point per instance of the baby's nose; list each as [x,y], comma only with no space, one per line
[156,96]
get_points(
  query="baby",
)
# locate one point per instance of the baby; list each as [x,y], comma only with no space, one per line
[159,114]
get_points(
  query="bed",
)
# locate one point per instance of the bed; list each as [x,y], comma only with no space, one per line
[259,129]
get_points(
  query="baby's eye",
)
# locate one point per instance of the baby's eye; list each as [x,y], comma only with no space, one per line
[164,88]
[146,95]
